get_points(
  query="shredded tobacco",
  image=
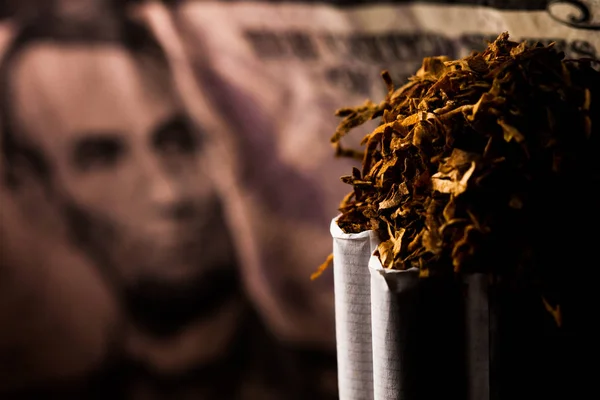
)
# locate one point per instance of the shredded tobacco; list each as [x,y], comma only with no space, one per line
[322,267]
[471,156]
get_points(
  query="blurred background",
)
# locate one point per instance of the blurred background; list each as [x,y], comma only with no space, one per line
[167,181]
[157,235]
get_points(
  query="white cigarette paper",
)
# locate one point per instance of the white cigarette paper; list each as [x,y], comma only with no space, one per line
[351,253]
[393,297]
[477,317]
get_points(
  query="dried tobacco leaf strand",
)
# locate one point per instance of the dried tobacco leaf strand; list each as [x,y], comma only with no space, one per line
[470,158]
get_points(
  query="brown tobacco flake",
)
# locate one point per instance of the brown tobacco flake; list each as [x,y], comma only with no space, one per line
[467,154]
[322,268]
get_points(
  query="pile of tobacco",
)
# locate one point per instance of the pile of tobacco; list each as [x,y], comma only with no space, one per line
[479,164]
